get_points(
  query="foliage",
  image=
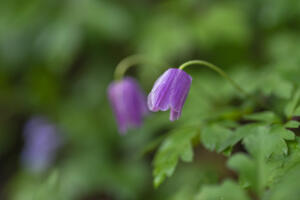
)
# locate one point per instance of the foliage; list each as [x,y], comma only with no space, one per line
[177,144]
[57,59]
[228,190]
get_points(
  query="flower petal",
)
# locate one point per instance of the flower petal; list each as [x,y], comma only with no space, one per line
[134,102]
[181,87]
[174,115]
[128,103]
[159,97]
[115,94]
[170,91]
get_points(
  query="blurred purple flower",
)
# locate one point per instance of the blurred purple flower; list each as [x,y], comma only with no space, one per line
[42,141]
[170,92]
[128,103]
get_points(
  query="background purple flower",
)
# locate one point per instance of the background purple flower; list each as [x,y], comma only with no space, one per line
[170,92]
[128,103]
[42,141]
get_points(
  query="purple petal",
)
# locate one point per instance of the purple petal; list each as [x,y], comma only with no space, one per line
[115,93]
[133,102]
[181,87]
[159,97]
[42,141]
[128,103]
[170,91]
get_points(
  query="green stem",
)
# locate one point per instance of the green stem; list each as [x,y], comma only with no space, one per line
[216,69]
[125,64]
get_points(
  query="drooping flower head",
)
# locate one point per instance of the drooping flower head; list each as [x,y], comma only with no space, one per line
[42,140]
[170,92]
[128,103]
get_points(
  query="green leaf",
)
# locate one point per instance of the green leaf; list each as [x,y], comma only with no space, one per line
[245,166]
[297,111]
[283,165]
[275,84]
[283,132]
[177,144]
[253,173]
[227,191]
[221,139]
[267,116]
[265,144]
[292,105]
[214,136]
[292,124]
[287,188]
[50,187]
[238,135]
[152,145]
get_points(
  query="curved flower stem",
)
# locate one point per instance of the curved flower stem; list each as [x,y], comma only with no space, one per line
[216,69]
[125,64]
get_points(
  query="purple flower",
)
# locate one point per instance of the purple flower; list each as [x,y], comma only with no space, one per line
[128,103]
[42,141]
[170,92]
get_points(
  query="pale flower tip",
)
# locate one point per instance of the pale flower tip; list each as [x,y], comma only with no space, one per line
[174,115]
[150,104]
[123,132]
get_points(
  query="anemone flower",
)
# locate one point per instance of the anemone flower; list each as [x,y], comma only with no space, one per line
[170,92]
[128,103]
[41,142]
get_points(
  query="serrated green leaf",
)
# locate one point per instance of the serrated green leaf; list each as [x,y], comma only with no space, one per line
[229,190]
[287,188]
[238,135]
[292,124]
[177,144]
[265,144]
[267,116]
[275,84]
[214,136]
[282,165]
[292,105]
[245,166]
[253,173]
[282,132]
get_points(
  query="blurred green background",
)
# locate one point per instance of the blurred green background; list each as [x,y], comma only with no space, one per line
[57,58]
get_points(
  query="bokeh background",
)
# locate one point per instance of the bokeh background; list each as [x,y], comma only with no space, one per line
[57,58]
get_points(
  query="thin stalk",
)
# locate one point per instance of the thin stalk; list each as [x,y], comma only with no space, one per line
[125,64]
[216,69]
